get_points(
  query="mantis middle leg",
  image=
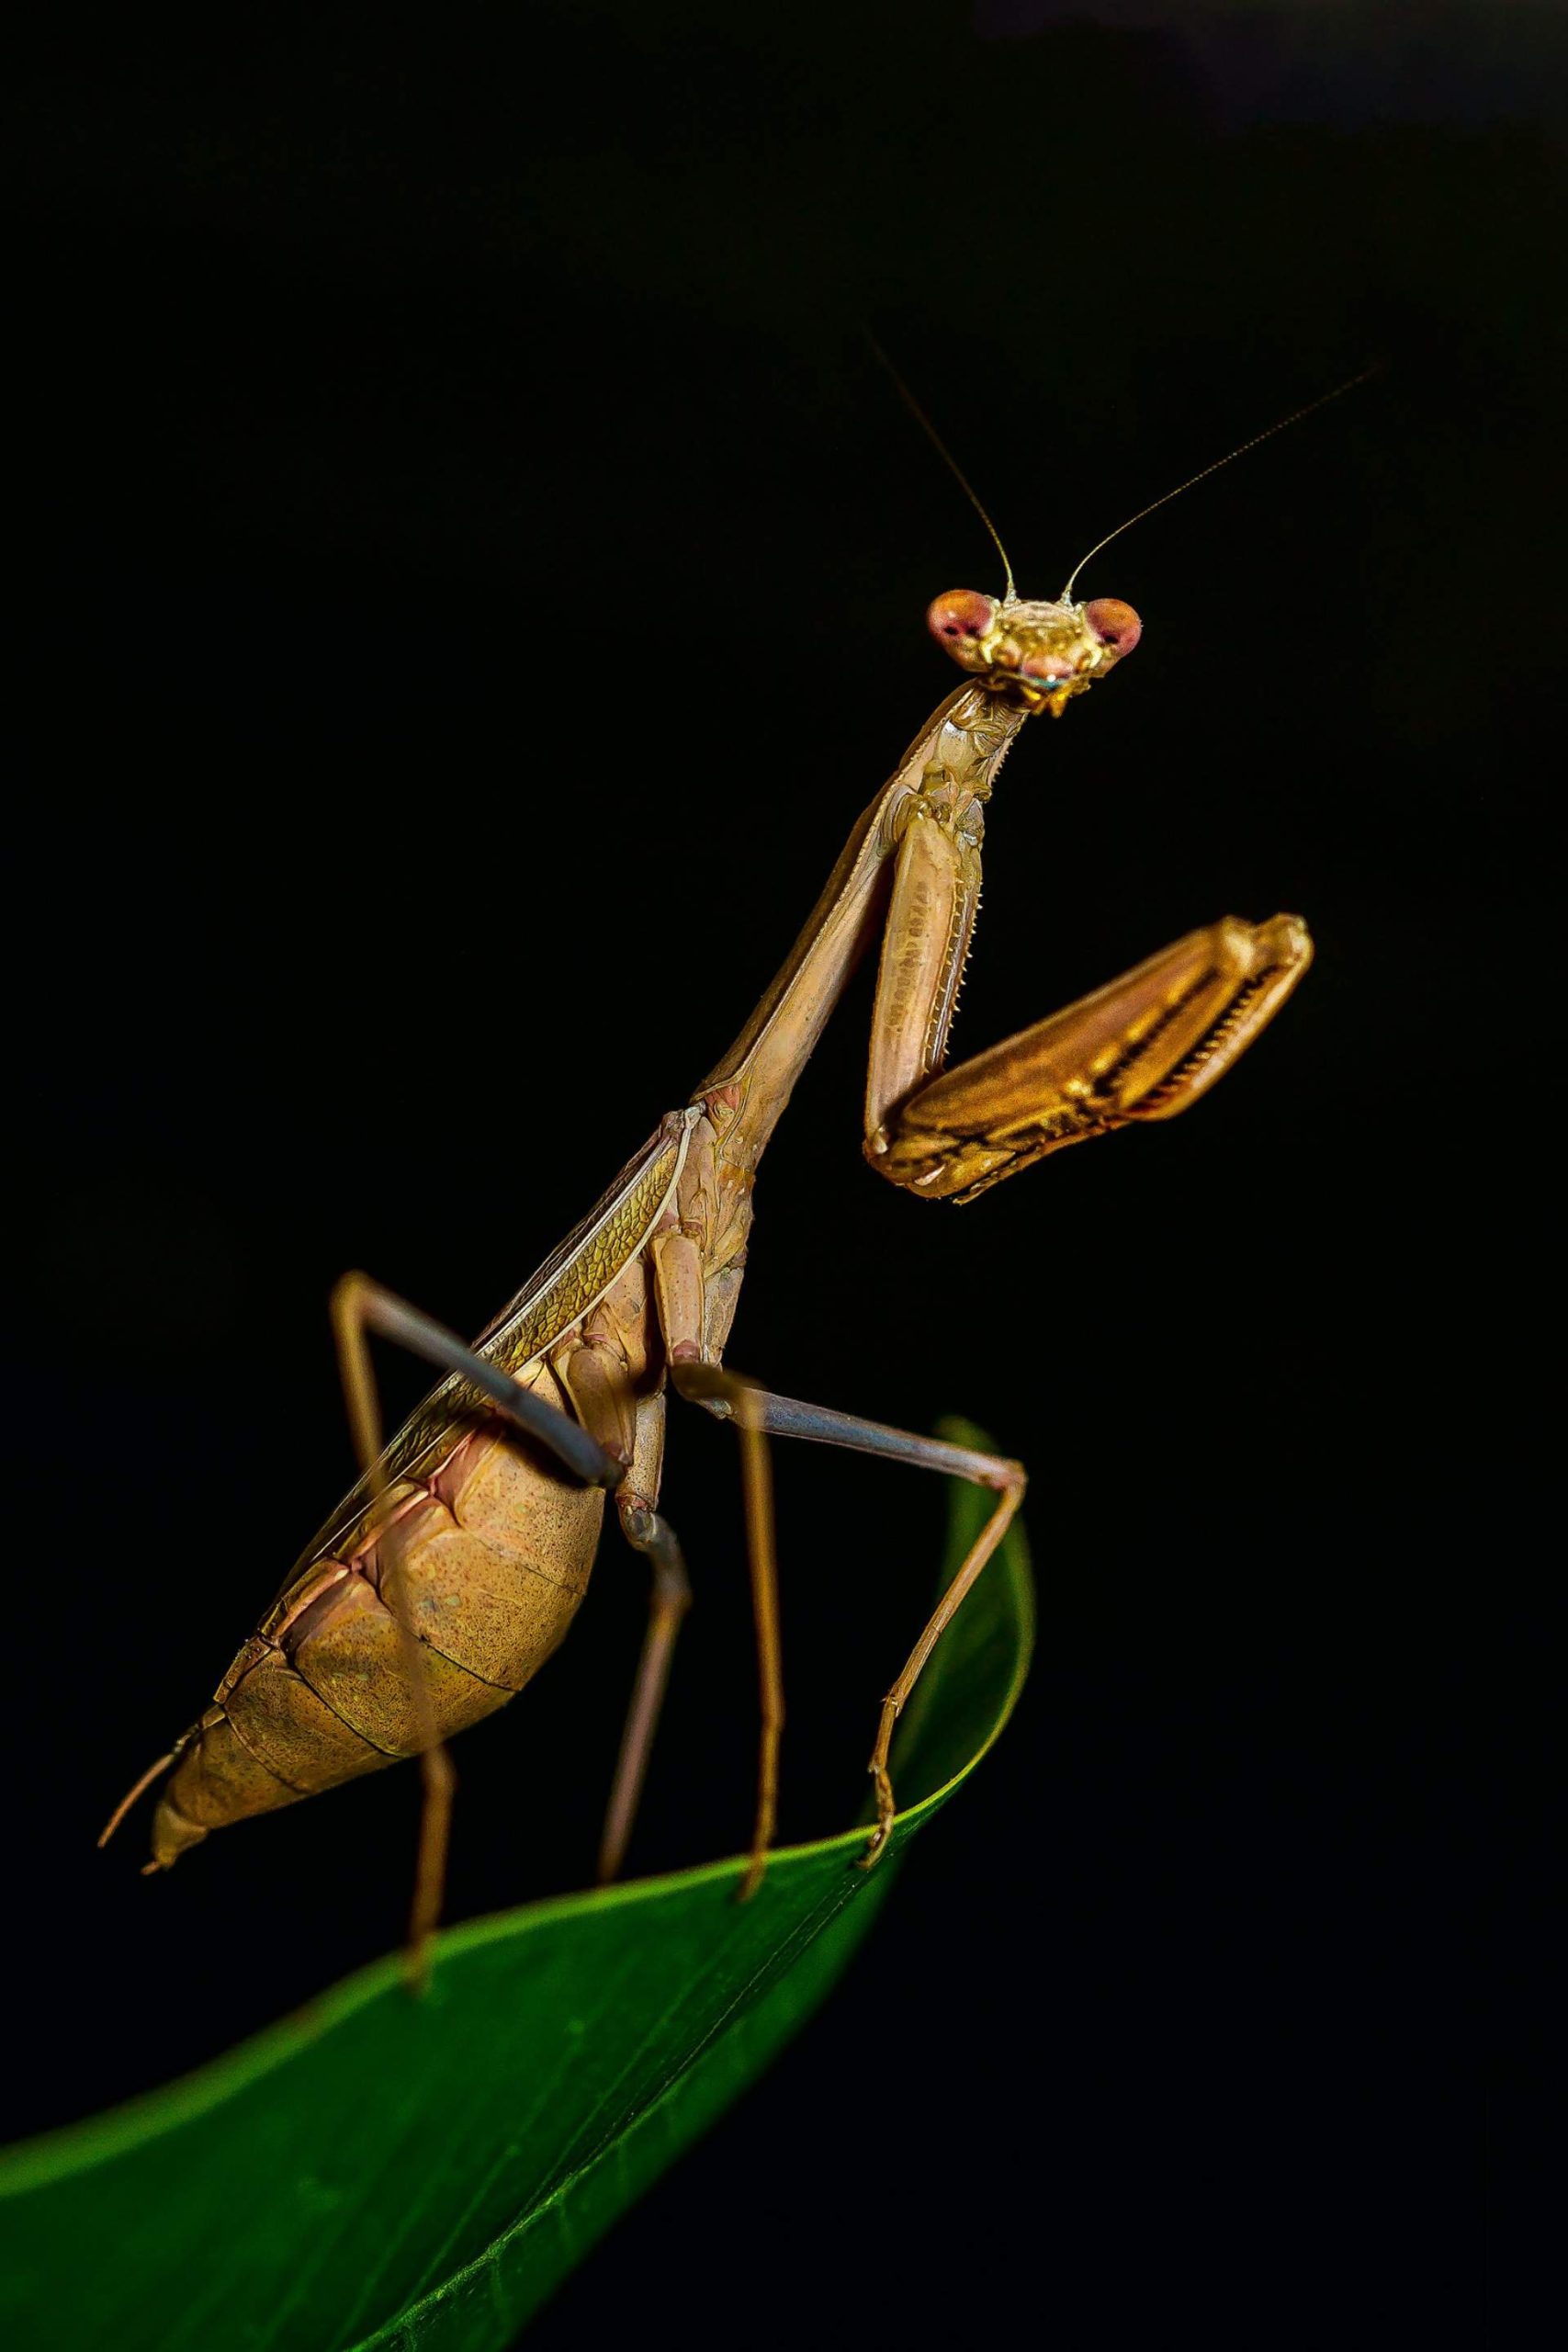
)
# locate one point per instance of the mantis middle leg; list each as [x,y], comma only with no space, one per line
[759,1414]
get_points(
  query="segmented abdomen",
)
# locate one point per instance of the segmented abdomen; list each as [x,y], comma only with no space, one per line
[492,1553]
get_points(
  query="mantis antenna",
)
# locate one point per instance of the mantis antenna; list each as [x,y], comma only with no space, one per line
[945,454]
[1267,434]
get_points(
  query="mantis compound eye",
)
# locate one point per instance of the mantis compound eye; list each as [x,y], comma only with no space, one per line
[1116,625]
[960,615]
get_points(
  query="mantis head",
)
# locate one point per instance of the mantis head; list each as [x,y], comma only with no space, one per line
[1039,655]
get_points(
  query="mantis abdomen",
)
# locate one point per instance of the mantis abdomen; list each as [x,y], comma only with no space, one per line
[492,1555]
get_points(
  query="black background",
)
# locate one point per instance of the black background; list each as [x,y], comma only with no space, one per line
[474,579]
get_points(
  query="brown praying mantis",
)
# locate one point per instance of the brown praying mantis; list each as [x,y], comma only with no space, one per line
[455,1566]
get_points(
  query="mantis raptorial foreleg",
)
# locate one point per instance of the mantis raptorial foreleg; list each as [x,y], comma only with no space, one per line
[1144,1046]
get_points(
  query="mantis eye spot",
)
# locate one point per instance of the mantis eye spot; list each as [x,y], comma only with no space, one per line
[959,616]
[1116,625]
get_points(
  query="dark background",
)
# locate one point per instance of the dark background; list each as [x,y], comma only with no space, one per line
[474,577]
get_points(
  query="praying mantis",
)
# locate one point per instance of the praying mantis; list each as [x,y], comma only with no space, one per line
[455,1566]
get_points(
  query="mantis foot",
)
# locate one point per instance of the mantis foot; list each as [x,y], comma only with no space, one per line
[877,1844]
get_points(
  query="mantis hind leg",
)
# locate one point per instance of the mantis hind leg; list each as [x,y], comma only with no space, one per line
[361,1307]
[1145,1046]
[670,1596]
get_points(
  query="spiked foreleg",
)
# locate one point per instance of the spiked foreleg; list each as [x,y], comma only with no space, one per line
[1143,1048]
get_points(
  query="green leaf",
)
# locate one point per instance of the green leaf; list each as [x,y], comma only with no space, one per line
[383,2171]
